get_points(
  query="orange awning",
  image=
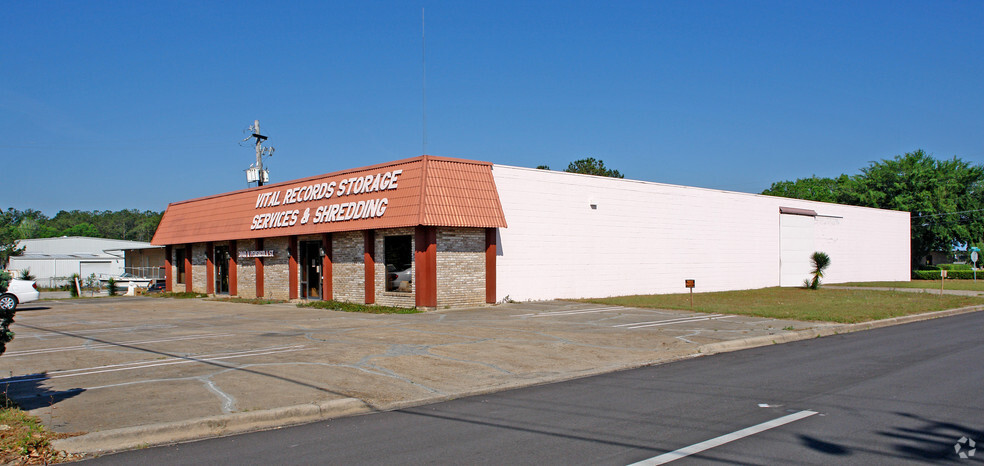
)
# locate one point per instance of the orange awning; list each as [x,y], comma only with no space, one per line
[426,190]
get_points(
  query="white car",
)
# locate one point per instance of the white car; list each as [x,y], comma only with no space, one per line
[19,291]
[395,279]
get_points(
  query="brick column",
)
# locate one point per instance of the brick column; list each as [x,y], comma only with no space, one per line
[168,250]
[327,294]
[369,254]
[209,268]
[425,265]
[292,267]
[188,287]
[233,273]
[490,251]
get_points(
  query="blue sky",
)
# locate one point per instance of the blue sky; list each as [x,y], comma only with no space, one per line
[114,105]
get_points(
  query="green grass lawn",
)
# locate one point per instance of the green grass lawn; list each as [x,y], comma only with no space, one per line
[970,285]
[354,307]
[846,306]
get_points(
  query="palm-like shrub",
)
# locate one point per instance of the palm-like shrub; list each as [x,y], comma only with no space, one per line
[820,262]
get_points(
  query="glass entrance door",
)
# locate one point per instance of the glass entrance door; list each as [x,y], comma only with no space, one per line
[221,269]
[310,269]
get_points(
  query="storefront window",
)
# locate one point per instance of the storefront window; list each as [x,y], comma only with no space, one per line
[398,252]
[179,259]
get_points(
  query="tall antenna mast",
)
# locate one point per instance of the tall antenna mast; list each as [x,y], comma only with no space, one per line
[423,60]
[256,172]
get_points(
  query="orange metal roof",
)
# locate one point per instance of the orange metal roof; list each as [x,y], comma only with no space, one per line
[433,191]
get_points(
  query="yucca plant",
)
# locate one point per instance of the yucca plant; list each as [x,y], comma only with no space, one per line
[820,263]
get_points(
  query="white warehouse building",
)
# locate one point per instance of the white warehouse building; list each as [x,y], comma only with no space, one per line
[579,236]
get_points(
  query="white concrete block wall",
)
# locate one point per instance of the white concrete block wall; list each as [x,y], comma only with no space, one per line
[648,237]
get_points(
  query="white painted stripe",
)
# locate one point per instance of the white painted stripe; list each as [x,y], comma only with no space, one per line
[198,357]
[110,345]
[727,438]
[149,364]
[76,333]
[696,319]
[571,312]
[701,316]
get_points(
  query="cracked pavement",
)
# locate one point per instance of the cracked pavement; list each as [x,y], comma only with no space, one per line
[90,365]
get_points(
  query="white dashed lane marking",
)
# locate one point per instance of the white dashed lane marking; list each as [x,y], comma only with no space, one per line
[727,438]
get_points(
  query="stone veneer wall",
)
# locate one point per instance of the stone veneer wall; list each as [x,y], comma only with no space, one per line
[392,298]
[246,271]
[198,267]
[348,267]
[460,267]
[173,272]
[275,269]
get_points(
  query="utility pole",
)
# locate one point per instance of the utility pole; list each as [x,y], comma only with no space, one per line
[259,149]
[260,152]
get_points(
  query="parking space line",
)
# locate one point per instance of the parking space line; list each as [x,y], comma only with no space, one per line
[727,438]
[572,312]
[681,320]
[94,331]
[149,364]
[110,345]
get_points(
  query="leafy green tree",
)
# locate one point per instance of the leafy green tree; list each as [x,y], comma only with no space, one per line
[82,229]
[944,197]
[591,166]
[814,188]
[8,237]
[543,167]
[131,225]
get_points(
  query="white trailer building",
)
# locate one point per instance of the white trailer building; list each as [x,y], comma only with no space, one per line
[53,260]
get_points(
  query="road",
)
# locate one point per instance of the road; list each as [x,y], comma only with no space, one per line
[903,394]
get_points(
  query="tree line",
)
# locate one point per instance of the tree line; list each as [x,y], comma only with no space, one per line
[945,197]
[128,224]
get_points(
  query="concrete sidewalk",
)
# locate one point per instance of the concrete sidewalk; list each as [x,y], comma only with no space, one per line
[138,371]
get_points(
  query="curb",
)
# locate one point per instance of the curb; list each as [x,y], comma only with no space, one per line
[214,426]
[129,438]
[754,342]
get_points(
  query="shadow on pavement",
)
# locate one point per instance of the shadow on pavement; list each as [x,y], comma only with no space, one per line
[932,439]
[187,358]
[30,393]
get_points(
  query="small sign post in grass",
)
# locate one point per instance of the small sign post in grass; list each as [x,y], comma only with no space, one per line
[690,284]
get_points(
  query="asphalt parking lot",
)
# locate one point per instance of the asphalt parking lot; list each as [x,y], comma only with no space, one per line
[90,365]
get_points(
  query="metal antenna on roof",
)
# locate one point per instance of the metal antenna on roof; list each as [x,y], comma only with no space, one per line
[423,60]
[256,173]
